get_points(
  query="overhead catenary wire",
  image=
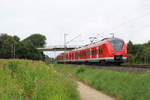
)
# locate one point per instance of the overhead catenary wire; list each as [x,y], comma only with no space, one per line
[129,20]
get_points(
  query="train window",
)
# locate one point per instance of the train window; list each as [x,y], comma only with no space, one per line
[94,52]
[117,44]
[83,54]
[73,55]
[104,46]
[78,54]
[100,51]
[87,53]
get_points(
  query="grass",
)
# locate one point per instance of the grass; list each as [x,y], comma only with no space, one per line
[33,80]
[121,85]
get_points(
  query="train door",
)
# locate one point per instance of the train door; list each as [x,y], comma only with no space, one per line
[100,51]
[104,50]
[73,55]
[88,54]
[94,52]
[78,52]
[84,54]
[67,56]
[81,57]
[70,56]
[76,55]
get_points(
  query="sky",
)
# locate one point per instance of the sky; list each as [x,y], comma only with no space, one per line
[127,19]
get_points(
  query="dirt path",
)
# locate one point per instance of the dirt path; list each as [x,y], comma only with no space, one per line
[88,93]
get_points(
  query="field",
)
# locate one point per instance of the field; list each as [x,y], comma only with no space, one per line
[33,80]
[121,85]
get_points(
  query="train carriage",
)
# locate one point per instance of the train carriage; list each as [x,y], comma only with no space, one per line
[108,50]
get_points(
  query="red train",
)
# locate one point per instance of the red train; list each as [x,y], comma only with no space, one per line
[108,50]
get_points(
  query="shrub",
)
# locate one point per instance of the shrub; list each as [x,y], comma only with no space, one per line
[122,85]
[80,69]
[34,81]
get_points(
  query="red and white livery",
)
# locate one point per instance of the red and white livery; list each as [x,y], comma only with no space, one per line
[108,50]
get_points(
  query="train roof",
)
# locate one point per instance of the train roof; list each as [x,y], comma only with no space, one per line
[99,42]
[95,44]
[114,39]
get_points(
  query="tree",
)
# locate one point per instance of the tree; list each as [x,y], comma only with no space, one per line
[11,46]
[130,58]
[146,53]
[16,38]
[28,51]
[37,40]
[130,47]
[6,46]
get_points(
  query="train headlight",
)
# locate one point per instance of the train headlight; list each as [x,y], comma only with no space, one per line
[112,52]
[123,53]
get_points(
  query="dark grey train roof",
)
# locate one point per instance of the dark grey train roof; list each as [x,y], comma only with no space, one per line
[89,45]
[111,39]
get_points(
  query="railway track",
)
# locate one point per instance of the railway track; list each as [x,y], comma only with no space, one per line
[126,68]
[123,66]
[136,66]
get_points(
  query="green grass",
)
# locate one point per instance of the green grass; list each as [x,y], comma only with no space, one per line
[33,80]
[121,85]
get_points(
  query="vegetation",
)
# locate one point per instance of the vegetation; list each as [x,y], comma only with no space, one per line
[32,80]
[12,47]
[37,40]
[121,85]
[138,53]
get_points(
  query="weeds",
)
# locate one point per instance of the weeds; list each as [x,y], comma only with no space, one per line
[122,85]
[28,80]
[80,69]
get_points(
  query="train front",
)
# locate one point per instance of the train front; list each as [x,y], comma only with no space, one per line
[117,50]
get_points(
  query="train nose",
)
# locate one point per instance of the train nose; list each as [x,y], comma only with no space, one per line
[116,53]
[118,58]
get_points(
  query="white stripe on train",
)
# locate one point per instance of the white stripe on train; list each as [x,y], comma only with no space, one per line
[93,60]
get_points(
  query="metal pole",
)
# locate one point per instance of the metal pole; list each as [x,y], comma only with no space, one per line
[113,35]
[14,50]
[65,47]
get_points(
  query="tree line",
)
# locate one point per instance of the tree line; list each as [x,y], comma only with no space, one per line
[138,53]
[13,47]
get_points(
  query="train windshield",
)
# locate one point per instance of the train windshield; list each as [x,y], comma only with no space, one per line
[117,44]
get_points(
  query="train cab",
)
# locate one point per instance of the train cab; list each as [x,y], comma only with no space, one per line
[117,49]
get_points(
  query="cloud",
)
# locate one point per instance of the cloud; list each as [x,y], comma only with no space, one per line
[143,36]
[53,18]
